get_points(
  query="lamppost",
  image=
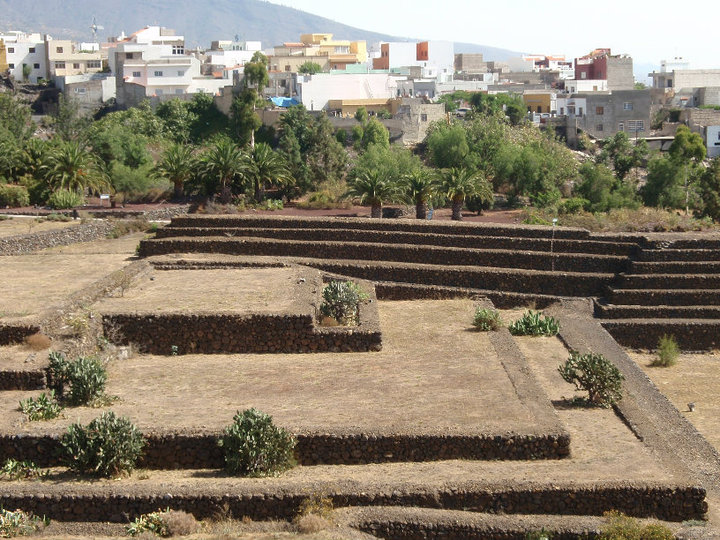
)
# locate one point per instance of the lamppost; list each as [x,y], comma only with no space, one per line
[552,245]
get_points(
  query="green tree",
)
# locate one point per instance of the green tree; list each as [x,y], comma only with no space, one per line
[140,120]
[178,118]
[392,164]
[688,151]
[15,117]
[361,115]
[420,187]
[709,190]
[256,75]
[310,68]
[663,187]
[622,154]
[504,105]
[371,188]
[223,164]
[374,133]
[244,122]
[72,167]
[264,167]
[603,191]
[69,122]
[459,183]
[210,120]
[448,147]
[177,164]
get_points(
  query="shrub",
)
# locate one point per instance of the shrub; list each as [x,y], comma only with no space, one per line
[574,205]
[63,218]
[63,199]
[109,445]
[667,353]
[596,375]
[128,226]
[45,407]
[542,534]
[20,470]
[253,446]
[19,523]
[622,527]
[312,523]
[487,319]
[534,323]
[38,342]
[271,204]
[341,300]
[86,377]
[14,196]
[152,523]
[57,372]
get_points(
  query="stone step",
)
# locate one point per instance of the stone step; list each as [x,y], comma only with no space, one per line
[667,255]
[611,311]
[670,281]
[414,238]
[403,253]
[664,297]
[675,267]
[203,493]
[691,334]
[407,225]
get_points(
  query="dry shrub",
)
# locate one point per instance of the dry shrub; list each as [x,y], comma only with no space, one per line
[312,523]
[38,342]
[180,523]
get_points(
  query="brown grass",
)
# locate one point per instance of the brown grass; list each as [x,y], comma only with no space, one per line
[180,523]
[38,342]
[312,523]
[17,226]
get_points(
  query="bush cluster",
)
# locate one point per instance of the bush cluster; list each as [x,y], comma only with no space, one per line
[341,300]
[596,375]
[622,527]
[44,407]
[486,319]
[108,446]
[667,353]
[13,469]
[164,523]
[85,376]
[534,323]
[19,523]
[254,446]
[64,199]
[14,196]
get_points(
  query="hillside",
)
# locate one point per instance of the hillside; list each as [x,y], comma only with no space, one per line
[199,21]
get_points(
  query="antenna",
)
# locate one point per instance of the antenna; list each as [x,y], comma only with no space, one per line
[94,27]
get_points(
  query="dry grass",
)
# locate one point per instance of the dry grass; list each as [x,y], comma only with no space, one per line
[38,342]
[18,225]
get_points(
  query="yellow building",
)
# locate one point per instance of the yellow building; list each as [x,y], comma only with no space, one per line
[348,107]
[64,59]
[320,49]
[540,102]
[3,58]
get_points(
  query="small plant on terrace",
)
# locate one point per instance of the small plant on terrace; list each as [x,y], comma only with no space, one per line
[596,375]
[542,534]
[164,523]
[254,446]
[534,323]
[19,523]
[622,527]
[108,446]
[44,407]
[341,300]
[13,469]
[667,353]
[486,319]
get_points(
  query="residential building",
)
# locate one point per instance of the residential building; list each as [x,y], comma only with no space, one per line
[436,58]
[540,101]
[603,114]
[470,63]
[89,90]
[66,58]
[675,75]
[153,63]
[601,64]
[320,49]
[3,57]
[229,54]
[706,122]
[540,62]
[25,56]
[315,91]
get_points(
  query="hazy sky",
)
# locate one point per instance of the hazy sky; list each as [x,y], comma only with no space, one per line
[648,31]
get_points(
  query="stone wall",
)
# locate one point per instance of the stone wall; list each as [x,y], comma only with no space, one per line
[670,503]
[27,243]
[691,335]
[22,380]
[16,333]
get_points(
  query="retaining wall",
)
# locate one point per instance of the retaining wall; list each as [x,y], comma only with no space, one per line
[22,380]
[669,503]
[407,253]
[10,334]
[27,243]
[691,335]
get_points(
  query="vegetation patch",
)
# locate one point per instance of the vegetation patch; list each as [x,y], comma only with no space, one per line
[164,523]
[19,523]
[254,446]
[534,323]
[85,378]
[596,375]
[14,469]
[487,319]
[622,527]
[341,301]
[667,352]
[44,407]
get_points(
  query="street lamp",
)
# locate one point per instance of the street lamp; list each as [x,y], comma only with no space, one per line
[552,243]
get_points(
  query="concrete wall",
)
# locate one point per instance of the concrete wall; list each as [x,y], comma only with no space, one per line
[316,90]
[416,117]
[623,110]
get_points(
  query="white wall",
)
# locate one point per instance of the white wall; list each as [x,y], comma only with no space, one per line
[712,141]
[21,44]
[316,90]
[576,86]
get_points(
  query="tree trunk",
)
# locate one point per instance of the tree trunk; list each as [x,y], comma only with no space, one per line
[178,191]
[259,192]
[376,210]
[457,205]
[421,210]
[225,194]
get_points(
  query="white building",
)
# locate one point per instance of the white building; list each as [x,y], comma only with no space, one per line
[712,141]
[155,60]
[571,106]
[577,86]
[231,53]
[26,53]
[316,90]
[436,58]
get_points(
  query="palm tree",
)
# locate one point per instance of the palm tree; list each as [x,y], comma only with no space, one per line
[419,187]
[264,167]
[371,188]
[225,161]
[177,164]
[72,167]
[459,183]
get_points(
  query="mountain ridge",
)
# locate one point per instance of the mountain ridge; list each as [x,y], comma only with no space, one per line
[199,21]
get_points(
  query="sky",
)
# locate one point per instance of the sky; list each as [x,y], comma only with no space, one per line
[649,31]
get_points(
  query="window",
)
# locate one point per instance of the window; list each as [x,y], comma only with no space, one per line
[159,92]
[79,90]
[599,127]
[11,66]
[36,66]
[59,50]
[181,73]
[669,83]
[636,125]
[179,91]
[621,126]
[562,111]
[129,56]
[94,64]
[579,111]
[627,106]
[539,108]
[59,65]
[583,75]
[571,110]
[178,49]
[423,117]
[31,50]
[600,111]
[136,74]
[287,68]
[76,65]
[158,74]
[11,49]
